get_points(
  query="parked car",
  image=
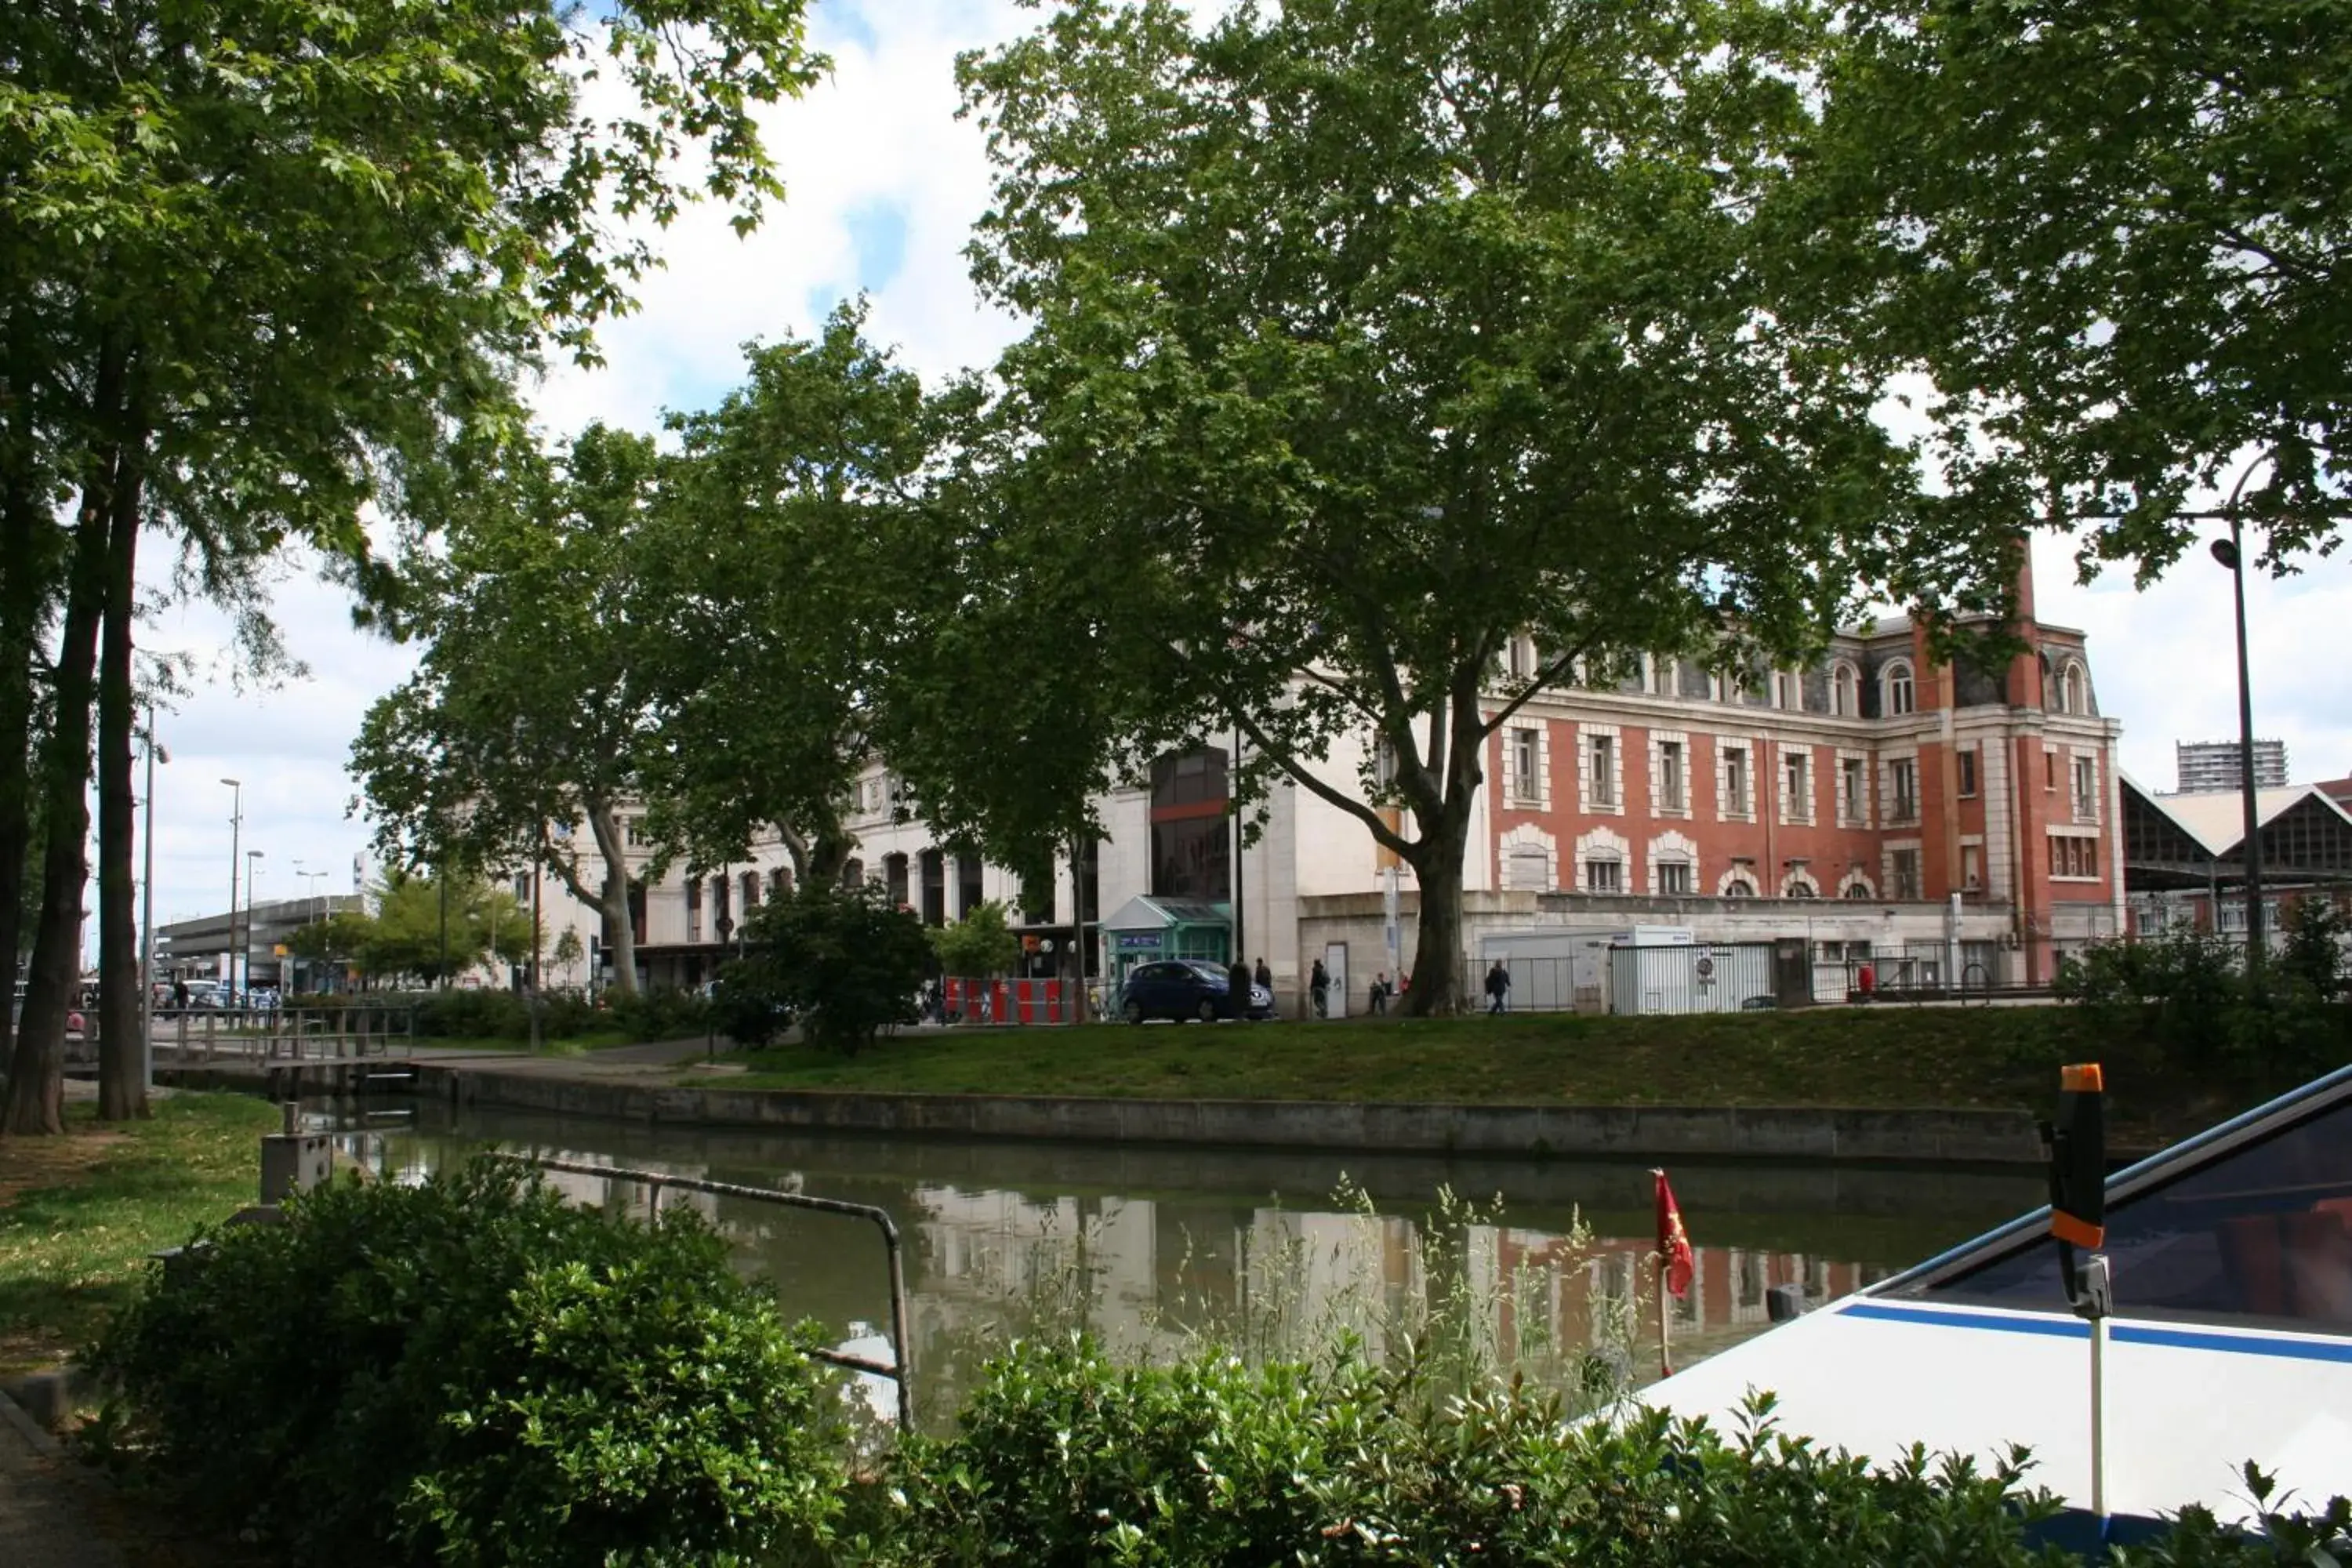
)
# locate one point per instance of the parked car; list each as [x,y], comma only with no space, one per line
[1186,988]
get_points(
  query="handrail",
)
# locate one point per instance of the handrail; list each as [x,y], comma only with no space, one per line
[901,1374]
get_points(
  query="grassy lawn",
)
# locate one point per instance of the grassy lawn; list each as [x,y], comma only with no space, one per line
[80,1214]
[1995,1057]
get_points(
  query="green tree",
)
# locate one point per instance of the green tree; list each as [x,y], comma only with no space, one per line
[2117,246]
[767,580]
[263,258]
[845,961]
[978,946]
[1358,351]
[2314,951]
[530,707]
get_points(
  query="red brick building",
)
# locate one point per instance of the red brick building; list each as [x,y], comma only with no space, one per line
[1875,775]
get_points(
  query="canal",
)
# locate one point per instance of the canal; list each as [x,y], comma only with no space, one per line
[1542,1263]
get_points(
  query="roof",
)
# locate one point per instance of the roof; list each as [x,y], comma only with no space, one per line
[1146,913]
[2217,821]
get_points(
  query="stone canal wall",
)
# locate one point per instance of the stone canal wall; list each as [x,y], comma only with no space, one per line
[1985,1137]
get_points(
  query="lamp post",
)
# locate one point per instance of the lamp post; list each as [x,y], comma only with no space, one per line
[147,919]
[253,858]
[235,828]
[2231,554]
[309,897]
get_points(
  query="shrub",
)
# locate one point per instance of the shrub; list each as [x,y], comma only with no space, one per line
[659,1014]
[472,1372]
[2189,993]
[845,961]
[1065,1458]
[2280,1536]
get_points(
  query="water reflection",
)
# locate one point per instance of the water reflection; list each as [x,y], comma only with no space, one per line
[1538,1265]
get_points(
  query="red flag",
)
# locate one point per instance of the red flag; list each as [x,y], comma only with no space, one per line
[1673,1242]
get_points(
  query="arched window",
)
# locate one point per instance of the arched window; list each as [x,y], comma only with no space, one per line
[1739,888]
[1845,690]
[1859,892]
[751,889]
[1789,691]
[2074,689]
[853,873]
[1902,697]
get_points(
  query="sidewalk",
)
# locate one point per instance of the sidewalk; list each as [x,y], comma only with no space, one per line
[46,1508]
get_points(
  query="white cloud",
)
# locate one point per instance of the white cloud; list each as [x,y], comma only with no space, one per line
[880,139]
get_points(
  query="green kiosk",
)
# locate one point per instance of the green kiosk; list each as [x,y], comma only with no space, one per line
[1146,930]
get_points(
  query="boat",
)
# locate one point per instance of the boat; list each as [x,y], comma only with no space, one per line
[2227,1337]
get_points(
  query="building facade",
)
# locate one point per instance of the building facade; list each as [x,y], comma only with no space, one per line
[1875,804]
[2211,767]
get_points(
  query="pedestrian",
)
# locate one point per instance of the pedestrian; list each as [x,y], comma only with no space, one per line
[1380,992]
[1498,988]
[1263,975]
[1318,986]
[180,995]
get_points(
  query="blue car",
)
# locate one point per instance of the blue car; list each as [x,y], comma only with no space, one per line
[1186,988]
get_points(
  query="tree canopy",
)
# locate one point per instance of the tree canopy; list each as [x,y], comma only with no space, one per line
[2117,244]
[529,704]
[263,260]
[770,577]
[1369,334]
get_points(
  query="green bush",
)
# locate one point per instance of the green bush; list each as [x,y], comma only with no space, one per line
[1065,1458]
[2318,1539]
[659,1014]
[473,1372]
[2187,992]
[845,961]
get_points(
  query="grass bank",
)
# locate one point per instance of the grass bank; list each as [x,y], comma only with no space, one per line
[1892,1056]
[80,1214]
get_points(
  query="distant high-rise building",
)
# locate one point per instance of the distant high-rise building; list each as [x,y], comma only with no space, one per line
[2211,767]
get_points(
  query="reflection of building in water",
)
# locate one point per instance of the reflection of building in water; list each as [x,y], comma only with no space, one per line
[1590,1285]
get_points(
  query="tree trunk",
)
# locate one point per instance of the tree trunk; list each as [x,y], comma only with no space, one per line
[121,1023]
[612,896]
[24,595]
[1437,990]
[37,1068]
[28,580]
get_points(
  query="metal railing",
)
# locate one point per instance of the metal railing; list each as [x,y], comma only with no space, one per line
[902,1373]
[290,1034]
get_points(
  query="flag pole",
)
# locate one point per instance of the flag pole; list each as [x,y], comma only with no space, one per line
[1665,1363]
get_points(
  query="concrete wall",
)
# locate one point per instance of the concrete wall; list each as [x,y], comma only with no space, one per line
[2006,1138]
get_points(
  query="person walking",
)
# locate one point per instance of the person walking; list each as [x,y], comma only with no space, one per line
[1498,988]
[1318,986]
[1379,993]
[1263,975]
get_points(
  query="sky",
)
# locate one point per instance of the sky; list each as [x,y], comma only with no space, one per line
[883,184]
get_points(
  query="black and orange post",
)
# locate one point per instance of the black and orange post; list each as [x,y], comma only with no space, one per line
[2078,1220]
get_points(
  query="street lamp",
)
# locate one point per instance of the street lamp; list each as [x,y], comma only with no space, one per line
[309,897]
[2231,554]
[235,828]
[252,876]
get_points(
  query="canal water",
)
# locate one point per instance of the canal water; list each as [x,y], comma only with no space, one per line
[1540,1266]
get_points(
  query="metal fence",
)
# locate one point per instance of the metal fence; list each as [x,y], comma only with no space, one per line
[186,1034]
[900,1370]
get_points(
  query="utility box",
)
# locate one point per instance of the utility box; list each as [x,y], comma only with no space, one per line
[294,1160]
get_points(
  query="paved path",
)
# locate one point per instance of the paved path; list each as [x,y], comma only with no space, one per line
[45,1509]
